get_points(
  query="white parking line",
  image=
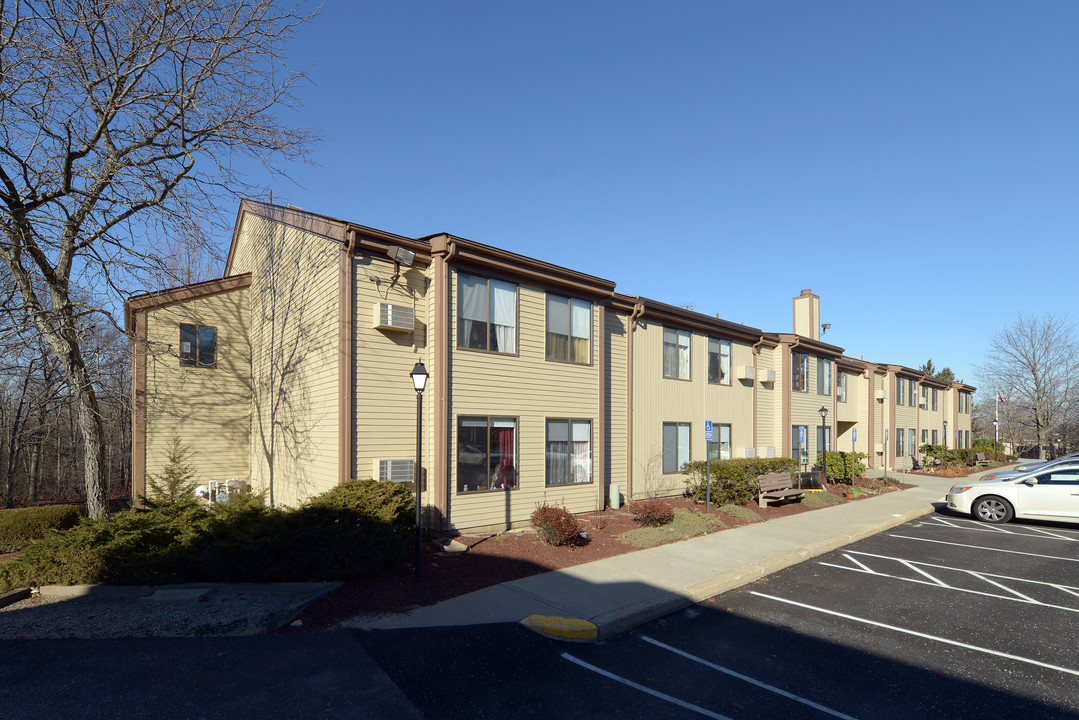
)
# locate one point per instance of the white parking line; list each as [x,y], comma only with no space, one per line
[925,636]
[982,547]
[645,689]
[1020,530]
[937,582]
[746,678]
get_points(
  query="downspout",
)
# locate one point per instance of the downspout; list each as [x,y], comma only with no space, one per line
[638,311]
[756,379]
[345,400]
[440,465]
[788,360]
[604,392]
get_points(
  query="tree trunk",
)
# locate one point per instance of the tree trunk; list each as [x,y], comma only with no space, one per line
[95,460]
[34,472]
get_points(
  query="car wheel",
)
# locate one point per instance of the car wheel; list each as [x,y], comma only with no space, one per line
[992,509]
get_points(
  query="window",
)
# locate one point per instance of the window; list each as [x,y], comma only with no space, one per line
[912,448]
[676,346]
[569,452]
[936,438]
[569,330]
[719,361]
[824,376]
[925,398]
[967,443]
[721,449]
[486,314]
[899,435]
[925,436]
[1059,477]
[198,345]
[799,443]
[800,372]
[936,398]
[841,387]
[900,391]
[913,387]
[675,446]
[486,454]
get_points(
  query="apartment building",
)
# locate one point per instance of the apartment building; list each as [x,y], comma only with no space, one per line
[291,374]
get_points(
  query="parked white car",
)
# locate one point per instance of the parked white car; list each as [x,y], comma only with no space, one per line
[1049,493]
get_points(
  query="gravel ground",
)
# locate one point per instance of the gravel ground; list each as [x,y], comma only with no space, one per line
[169,611]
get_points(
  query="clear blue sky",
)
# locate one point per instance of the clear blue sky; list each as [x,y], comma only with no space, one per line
[911,162]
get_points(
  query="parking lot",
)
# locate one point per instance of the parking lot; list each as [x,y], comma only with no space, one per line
[944,617]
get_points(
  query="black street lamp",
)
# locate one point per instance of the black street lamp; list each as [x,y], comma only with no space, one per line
[824,440]
[419,381]
[945,433]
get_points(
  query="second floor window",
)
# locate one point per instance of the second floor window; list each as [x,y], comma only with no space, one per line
[925,398]
[569,329]
[900,391]
[824,376]
[800,372]
[198,345]
[719,361]
[486,314]
[676,347]
[841,387]
[936,398]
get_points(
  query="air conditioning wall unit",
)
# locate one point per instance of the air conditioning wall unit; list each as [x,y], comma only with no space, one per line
[395,470]
[768,376]
[882,394]
[394,317]
[770,451]
[747,372]
[750,452]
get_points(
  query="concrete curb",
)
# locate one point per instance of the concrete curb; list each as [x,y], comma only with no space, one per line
[14,596]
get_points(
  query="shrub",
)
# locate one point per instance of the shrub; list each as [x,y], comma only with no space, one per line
[555,525]
[176,482]
[734,482]
[24,525]
[838,465]
[353,531]
[651,512]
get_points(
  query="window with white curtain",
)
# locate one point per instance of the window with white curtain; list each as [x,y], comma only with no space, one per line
[719,361]
[486,314]
[824,376]
[569,452]
[569,329]
[676,352]
[936,398]
[675,446]
[841,387]
[800,372]
[900,391]
[486,454]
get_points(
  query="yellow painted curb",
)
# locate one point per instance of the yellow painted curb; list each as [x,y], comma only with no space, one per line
[562,628]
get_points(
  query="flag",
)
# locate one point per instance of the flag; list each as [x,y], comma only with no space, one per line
[1000,399]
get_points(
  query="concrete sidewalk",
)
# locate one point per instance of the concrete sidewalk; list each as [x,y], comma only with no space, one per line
[605,597]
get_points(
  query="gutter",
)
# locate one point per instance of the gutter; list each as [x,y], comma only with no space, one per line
[638,311]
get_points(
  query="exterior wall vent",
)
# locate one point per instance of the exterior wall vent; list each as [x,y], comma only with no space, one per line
[747,372]
[770,452]
[750,452]
[395,470]
[394,317]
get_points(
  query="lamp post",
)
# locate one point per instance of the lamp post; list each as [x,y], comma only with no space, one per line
[824,440]
[419,381]
[945,434]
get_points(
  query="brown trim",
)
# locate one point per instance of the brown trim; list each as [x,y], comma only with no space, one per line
[183,293]
[345,390]
[889,447]
[601,415]
[756,383]
[815,347]
[138,416]
[665,314]
[441,341]
[631,330]
[871,456]
[785,412]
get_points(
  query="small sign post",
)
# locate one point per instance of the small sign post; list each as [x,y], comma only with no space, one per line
[707,468]
[853,450]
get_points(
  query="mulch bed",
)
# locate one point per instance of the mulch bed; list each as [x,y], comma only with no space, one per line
[511,555]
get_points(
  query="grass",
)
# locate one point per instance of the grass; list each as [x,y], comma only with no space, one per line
[740,513]
[686,524]
[820,499]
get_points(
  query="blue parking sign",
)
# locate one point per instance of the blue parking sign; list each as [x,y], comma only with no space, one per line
[708,431]
[854,435]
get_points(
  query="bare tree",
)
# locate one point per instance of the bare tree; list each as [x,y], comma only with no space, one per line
[117,118]
[1033,364]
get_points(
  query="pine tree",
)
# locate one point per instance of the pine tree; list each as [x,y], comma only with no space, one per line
[176,482]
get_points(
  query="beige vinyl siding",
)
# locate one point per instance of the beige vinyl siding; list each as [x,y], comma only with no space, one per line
[384,400]
[243,253]
[658,400]
[294,335]
[532,389]
[906,417]
[805,409]
[617,402]
[767,407]
[208,408]
[863,395]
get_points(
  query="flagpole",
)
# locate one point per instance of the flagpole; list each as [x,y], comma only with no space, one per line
[996,423]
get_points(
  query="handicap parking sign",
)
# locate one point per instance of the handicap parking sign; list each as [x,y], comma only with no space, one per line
[708,431]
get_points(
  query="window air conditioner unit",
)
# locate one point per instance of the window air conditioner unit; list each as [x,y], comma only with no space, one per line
[747,372]
[770,452]
[394,317]
[750,452]
[768,376]
[882,394]
[396,470]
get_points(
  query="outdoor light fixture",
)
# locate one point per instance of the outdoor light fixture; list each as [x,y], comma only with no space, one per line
[825,328]
[823,436]
[401,255]
[419,381]
[945,433]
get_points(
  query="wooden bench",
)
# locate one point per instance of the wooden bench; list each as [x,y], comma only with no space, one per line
[776,486]
[981,459]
